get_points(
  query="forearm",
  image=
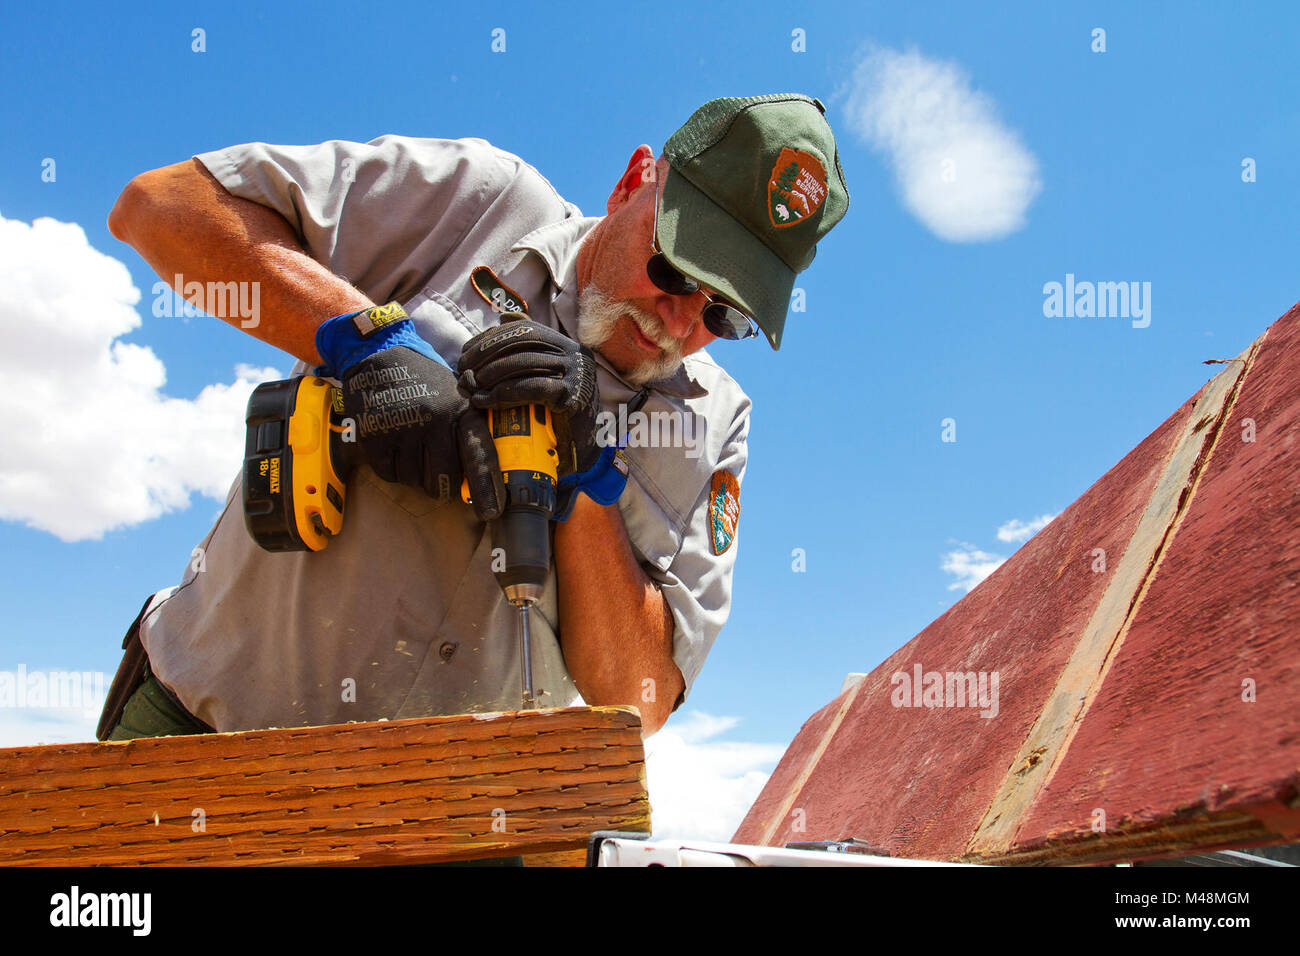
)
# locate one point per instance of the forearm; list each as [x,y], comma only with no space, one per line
[616,630]
[183,222]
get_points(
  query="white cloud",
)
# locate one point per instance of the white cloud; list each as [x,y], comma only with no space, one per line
[961,171]
[970,565]
[93,442]
[29,727]
[702,788]
[1016,530]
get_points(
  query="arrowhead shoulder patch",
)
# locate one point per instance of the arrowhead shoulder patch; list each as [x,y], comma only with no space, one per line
[724,510]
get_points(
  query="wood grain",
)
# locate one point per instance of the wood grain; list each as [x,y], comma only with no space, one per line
[433,789]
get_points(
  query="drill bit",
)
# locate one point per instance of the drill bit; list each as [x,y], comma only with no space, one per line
[525,649]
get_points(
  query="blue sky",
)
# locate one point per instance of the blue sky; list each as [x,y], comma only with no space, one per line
[1123,165]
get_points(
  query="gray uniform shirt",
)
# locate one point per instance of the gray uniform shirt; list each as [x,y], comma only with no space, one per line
[401,615]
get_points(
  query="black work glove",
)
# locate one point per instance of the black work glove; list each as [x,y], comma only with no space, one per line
[412,426]
[520,362]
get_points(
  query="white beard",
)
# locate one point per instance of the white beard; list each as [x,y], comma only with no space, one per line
[598,314]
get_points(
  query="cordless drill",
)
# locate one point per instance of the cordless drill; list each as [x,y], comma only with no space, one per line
[298,453]
[524,436]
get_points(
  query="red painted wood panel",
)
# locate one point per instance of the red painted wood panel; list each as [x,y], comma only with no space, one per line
[1170,728]
[1166,740]
[916,780]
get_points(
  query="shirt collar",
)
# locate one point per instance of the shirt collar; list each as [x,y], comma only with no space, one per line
[557,244]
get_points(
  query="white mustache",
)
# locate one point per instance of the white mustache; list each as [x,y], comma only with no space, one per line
[653,329]
[598,316]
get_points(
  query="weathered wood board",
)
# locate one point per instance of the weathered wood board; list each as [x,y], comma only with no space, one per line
[426,790]
[1146,698]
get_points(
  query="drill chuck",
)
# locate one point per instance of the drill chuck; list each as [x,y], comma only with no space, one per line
[523,535]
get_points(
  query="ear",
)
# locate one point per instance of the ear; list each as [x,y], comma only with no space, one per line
[640,170]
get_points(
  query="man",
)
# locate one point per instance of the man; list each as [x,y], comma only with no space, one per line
[401,615]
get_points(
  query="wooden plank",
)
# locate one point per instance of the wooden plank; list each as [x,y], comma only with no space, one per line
[408,791]
[911,779]
[1186,833]
[826,722]
[1120,687]
[564,858]
[1084,673]
[1210,666]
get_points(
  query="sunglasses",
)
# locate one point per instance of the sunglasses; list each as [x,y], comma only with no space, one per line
[721,318]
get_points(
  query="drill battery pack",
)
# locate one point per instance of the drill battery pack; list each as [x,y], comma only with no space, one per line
[293,489]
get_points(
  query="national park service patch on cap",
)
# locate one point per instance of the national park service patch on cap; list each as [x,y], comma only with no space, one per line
[796,189]
[724,510]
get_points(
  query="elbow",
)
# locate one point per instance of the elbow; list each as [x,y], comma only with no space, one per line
[595,696]
[159,196]
[656,711]
[127,209]
[652,722]
[654,699]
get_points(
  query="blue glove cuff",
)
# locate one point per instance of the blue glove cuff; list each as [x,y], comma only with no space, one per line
[603,482]
[347,339]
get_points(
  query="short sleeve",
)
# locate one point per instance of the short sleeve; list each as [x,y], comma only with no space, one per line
[375,213]
[697,584]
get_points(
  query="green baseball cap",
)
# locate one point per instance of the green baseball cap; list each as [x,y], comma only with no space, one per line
[753,183]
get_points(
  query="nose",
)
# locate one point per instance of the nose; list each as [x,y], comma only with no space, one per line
[680,314]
